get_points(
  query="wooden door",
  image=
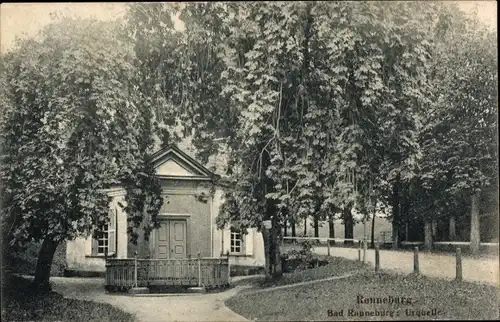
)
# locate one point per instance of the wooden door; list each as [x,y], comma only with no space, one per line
[162,243]
[177,232]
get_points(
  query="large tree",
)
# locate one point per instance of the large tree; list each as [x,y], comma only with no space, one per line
[459,139]
[71,129]
[317,100]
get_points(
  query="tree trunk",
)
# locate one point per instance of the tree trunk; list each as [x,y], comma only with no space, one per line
[273,266]
[305,226]
[452,234]
[348,225]
[405,210]
[407,231]
[395,234]
[316,227]
[331,229]
[266,236]
[434,230]
[43,265]
[286,221]
[277,270]
[372,242]
[396,213]
[475,238]
[293,228]
[427,235]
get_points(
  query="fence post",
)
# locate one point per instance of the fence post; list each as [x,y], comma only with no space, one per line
[359,251]
[459,264]
[328,245]
[377,259]
[364,249]
[416,267]
[135,269]
[199,270]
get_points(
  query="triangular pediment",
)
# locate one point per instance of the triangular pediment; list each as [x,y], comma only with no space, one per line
[172,162]
[173,168]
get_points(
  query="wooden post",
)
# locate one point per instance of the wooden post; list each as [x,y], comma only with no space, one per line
[459,264]
[364,249]
[135,269]
[377,259]
[328,245]
[199,270]
[359,251]
[416,267]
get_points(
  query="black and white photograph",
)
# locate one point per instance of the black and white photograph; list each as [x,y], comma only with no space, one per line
[249,161]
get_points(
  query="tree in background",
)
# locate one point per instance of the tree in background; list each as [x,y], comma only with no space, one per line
[459,139]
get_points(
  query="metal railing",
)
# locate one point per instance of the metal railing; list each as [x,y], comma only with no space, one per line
[134,272]
[289,243]
[383,239]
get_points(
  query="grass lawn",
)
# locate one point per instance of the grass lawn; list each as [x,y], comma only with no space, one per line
[20,303]
[431,299]
[336,266]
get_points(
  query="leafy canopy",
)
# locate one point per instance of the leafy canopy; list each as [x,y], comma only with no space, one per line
[71,129]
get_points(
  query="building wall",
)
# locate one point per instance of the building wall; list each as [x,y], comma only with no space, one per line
[254,256]
[253,241]
[181,202]
[79,251]
[253,247]
[202,233]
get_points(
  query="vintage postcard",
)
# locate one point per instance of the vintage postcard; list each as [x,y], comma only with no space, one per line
[237,161]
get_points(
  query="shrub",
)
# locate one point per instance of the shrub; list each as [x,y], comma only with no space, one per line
[300,259]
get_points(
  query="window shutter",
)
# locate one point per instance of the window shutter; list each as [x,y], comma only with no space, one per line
[227,240]
[93,247]
[112,232]
[248,242]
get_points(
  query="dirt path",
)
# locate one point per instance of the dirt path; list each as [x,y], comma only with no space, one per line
[432,265]
[185,307]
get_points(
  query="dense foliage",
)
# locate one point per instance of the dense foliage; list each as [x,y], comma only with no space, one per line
[330,106]
[71,129]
